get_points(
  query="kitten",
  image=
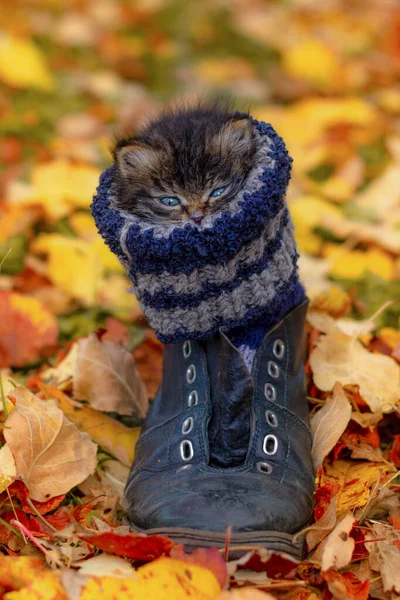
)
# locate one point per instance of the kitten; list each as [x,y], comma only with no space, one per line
[185,165]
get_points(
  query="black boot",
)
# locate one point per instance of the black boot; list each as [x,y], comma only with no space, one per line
[174,490]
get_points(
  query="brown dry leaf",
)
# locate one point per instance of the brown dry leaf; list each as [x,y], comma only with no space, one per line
[54,456]
[339,357]
[319,530]
[385,555]
[339,546]
[329,423]
[106,376]
[383,236]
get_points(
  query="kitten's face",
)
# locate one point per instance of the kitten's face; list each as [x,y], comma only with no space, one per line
[184,167]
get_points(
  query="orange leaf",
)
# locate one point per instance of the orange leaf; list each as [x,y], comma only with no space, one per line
[26,328]
[132,545]
[346,586]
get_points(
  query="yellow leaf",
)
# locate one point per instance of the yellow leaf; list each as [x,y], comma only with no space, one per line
[355,480]
[111,435]
[8,471]
[59,186]
[113,293]
[351,264]
[73,265]
[29,579]
[83,224]
[22,64]
[339,357]
[162,579]
[311,61]
[390,336]
[307,212]
[55,456]
[335,301]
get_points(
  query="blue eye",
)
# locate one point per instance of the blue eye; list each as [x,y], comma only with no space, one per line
[170,201]
[217,192]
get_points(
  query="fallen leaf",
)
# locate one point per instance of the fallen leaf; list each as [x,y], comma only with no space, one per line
[22,64]
[385,555]
[245,593]
[163,579]
[72,265]
[339,546]
[325,515]
[328,424]
[335,301]
[8,471]
[55,455]
[312,61]
[210,558]
[149,361]
[26,577]
[338,357]
[346,586]
[26,328]
[352,264]
[106,376]
[108,433]
[106,565]
[354,479]
[131,545]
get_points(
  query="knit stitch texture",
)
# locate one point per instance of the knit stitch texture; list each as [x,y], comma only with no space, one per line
[238,267]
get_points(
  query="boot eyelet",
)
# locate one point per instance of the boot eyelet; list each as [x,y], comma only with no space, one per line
[186,450]
[270,445]
[187,349]
[271,418]
[191,374]
[273,369]
[187,425]
[264,467]
[270,392]
[279,349]
[193,399]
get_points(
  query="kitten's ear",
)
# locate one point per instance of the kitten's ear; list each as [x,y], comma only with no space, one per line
[234,135]
[134,156]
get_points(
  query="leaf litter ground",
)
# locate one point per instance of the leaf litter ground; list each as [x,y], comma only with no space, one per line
[77,361]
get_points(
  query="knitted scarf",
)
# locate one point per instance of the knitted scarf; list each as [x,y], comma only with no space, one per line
[238,267]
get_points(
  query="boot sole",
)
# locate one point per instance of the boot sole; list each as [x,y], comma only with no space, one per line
[239,543]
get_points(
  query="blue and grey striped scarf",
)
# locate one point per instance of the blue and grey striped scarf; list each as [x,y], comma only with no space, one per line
[238,268]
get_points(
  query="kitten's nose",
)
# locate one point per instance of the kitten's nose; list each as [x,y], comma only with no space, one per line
[197,217]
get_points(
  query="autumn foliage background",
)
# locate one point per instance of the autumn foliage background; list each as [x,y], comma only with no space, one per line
[75,73]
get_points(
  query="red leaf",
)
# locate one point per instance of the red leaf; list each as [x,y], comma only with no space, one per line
[276,566]
[19,489]
[30,523]
[360,551]
[26,328]
[60,518]
[346,586]
[209,558]
[116,332]
[355,434]
[395,452]
[323,497]
[133,545]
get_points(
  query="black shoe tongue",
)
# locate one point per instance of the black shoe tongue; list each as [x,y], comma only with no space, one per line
[231,392]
